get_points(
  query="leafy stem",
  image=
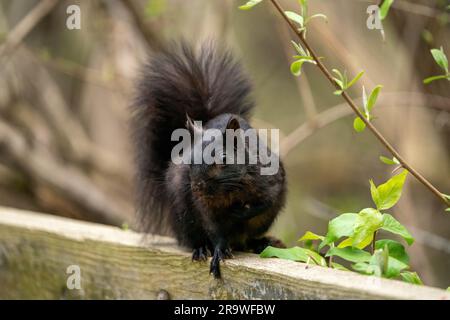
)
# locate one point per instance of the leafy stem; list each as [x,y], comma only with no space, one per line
[442,61]
[349,234]
[373,242]
[352,104]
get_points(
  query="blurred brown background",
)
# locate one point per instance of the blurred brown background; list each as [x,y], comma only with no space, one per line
[64,97]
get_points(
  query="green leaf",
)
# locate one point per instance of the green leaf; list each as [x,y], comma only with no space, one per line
[349,242]
[294,17]
[392,225]
[433,78]
[411,277]
[304,58]
[364,98]
[345,80]
[358,76]
[396,249]
[350,254]
[367,222]
[373,97]
[382,264]
[341,226]
[296,67]
[374,192]
[338,92]
[318,15]
[384,9]
[389,161]
[300,49]
[311,236]
[318,259]
[339,74]
[304,5]
[360,230]
[359,125]
[250,4]
[294,253]
[446,196]
[339,82]
[394,268]
[390,192]
[379,262]
[440,58]
[363,267]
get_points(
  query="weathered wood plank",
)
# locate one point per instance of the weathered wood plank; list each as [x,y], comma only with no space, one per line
[36,249]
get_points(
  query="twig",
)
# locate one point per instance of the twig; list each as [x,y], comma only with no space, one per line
[20,31]
[352,104]
[303,86]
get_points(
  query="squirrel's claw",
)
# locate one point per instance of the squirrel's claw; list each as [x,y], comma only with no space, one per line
[219,255]
[200,254]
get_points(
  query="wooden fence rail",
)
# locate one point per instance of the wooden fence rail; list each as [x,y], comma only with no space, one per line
[37,250]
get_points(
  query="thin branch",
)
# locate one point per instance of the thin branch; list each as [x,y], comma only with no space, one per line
[21,30]
[352,104]
[303,86]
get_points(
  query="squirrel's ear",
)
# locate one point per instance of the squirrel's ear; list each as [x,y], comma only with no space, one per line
[233,123]
[192,126]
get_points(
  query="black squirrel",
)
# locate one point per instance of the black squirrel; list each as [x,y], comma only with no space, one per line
[213,208]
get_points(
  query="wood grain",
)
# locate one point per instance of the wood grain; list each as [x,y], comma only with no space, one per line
[36,249]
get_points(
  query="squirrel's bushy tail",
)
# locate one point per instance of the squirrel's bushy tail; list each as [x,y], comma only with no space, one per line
[176,82]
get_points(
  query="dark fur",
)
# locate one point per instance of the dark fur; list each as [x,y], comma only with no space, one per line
[207,207]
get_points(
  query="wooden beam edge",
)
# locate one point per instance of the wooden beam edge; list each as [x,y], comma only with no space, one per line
[371,287]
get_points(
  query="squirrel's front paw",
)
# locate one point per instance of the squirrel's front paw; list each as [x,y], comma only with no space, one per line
[219,255]
[200,254]
[259,244]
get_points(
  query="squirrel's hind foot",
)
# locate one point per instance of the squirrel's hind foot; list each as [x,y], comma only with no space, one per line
[219,255]
[200,254]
